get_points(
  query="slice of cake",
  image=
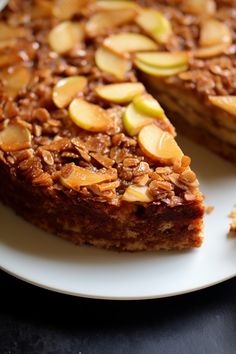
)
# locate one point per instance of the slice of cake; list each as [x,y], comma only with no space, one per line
[85,151]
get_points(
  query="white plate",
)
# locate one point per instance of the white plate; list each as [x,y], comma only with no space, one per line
[55,264]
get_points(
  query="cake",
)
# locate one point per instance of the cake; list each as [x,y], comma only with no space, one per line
[87,151]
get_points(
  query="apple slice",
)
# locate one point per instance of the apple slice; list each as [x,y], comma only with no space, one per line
[74,177]
[159,145]
[89,116]
[66,89]
[15,137]
[65,36]
[146,104]
[127,42]
[209,52]
[120,93]
[199,7]
[134,120]
[227,103]
[155,24]
[164,59]
[112,63]
[115,5]
[214,32]
[137,194]
[65,9]
[155,71]
[16,80]
[101,22]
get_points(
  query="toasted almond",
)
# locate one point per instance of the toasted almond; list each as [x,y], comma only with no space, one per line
[102,21]
[120,93]
[159,145]
[112,63]
[155,71]
[66,9]
[164,60]
[89,116]
[79,176]
[127,42]
[65,36]
[227,103]
[155,24]
[15,137]
[136,193]
[66,89]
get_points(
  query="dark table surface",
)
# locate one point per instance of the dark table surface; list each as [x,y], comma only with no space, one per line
[34,320]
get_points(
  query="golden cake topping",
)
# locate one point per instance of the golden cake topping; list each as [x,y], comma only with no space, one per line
[136,193]
[65,36]
[159,145]
[120,93]
[15,137]
[227,103]
[66,89]
[89,116]
[112,63]
[65,9]
[74,177]
[127,42]
[155,24]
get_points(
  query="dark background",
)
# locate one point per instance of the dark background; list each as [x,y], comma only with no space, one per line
[34,320]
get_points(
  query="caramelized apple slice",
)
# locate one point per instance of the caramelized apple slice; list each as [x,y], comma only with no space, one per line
[155,71]
[214,32]
[66,89]
[120,93]
[134,120]
[16,80]
[159,145]
[9,32]
[115,5]
[127,42]
[137,194]
[65,36]
[146,104]
[164,59]
[89,116]
[209,52]
[102,21]
[155,24]
[199,7]
[65,9]
[15,137]
[74,177]
[112,63]
[227,103]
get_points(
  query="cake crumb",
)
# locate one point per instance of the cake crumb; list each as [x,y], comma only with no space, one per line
[209,209]
[232,216]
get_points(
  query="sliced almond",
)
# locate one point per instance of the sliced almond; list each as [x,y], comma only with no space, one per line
[65,36]
[199,7]
[112,63]
[66,9]
[115,5]
[227,103]
[16,80]
[127,42]
[159,145]
[79,176]
[137,194]
[89,116]
[102,21]
[120,93]
[209,52]
[15,137]
[164,59]
[66,89]
[214,32]
[155,24]
[134,120]
[9,32]
[155,71]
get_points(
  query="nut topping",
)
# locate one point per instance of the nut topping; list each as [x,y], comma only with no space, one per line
[136,193]
[65,9]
